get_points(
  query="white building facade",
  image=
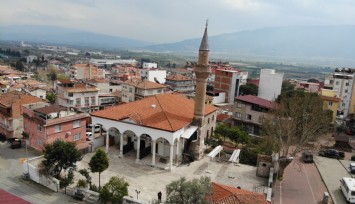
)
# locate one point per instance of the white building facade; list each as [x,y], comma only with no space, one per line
[154,75]
[270,84]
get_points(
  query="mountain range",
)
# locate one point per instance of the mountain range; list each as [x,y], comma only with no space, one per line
[294,42]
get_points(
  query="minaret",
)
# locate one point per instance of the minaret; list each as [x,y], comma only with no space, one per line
[202,71]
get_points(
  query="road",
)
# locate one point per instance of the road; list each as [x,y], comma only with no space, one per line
[12,182]
[302,183]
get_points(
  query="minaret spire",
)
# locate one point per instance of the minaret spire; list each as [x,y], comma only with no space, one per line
[202,71]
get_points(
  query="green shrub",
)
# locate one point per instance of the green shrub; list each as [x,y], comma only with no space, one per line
[94,188]
[248,156]
[82,183]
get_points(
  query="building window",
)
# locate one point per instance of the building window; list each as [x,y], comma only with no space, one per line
[150,91]
[159,91]
[343,104]
[248,117]
[93,100]
[39,128]
[212,117]
[87,101]
[58,128]
[110,90]
[39,142]
[208,121]
[77,136]
[239,104]
[130,90]
[330,103]
[78,102]
[76,124]
[336,83]
[238,115]
[70,94]
[346,91]
[347,84]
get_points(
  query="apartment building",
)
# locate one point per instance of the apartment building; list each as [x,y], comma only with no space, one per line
[180,83]
[77,95]
[249,112]
[154,75]
[86,71]
[228,81]
[136,89]
[330,102]
[11,119]
[342,82]
[270,84]
[45,123]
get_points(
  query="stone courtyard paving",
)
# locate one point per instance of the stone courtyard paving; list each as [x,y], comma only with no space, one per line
[149,181]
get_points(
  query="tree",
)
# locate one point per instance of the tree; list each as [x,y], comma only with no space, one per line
[248,89]
[60,155]
[189,192]
[114,190]
[297,119]
[51,98]
[287,86]
[19,65]
[67,180]
[99,162]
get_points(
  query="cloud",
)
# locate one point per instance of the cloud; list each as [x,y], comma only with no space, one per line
[169,21]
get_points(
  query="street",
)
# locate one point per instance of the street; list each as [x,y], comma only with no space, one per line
[302,183]
[12,182]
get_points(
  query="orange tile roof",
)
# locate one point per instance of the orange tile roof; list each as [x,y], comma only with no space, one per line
[223,194]
[143,84]
[7,99]
[81,87]
[171,112]
[178,77]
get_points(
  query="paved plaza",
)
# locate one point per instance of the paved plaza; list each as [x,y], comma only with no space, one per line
[150,180]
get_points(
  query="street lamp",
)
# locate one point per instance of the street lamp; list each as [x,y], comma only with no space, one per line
[138,192]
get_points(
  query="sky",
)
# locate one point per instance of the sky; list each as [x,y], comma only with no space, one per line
[167,21]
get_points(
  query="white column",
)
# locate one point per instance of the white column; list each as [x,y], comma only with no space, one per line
[171,156]
[177,151]
[121,145]
[107,140]
[138,148]
[153,155]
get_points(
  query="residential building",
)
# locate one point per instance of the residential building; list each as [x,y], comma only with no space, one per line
[154,75]
[228,81]
[307,86]
[149,65]
[86,71]
[331,102]
[103,62]
[11,120]
[30,58]
[108,100]
[180,83]
[136,89]
[104,85]
[45,123]
[36,91]
[249,112]
[342,81]
[80,96]
[270,84]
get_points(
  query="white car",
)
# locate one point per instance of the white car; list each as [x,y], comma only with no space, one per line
[89,128]
[88,136]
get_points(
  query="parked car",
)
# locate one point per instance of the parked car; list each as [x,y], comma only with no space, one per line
[353,158]
[88,136]
[331,153]
[15,144]
[352,168]
[307,157]
[89,128]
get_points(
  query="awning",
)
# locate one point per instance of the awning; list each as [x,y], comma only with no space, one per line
[215,151]
[189,131]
